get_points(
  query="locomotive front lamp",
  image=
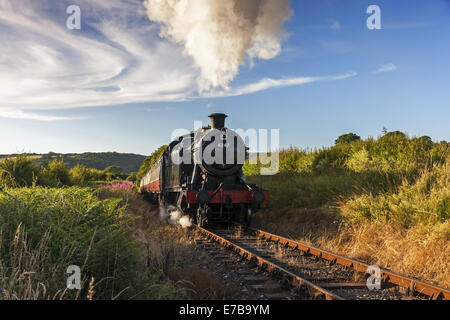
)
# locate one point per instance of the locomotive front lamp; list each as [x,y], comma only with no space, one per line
[258,196]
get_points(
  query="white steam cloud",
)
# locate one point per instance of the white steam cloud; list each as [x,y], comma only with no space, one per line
[173,216]
[219,34]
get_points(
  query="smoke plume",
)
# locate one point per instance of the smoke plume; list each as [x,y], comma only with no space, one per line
[173,216]
[218,34]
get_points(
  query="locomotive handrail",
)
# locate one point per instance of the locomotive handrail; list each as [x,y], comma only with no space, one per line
[216,191]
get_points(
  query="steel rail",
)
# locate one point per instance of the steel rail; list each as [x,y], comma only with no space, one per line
[413,285]
[295,280]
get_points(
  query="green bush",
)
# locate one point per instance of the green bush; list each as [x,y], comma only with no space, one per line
[132,177]
[425,202]
[17,171]
[79,175]
[290,158]
[82,176]
[390,179]
[392,154]
[43,231]
[149,162]
[55,174]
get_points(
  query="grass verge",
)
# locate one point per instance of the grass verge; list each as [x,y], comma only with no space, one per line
[43,231]
[403,226]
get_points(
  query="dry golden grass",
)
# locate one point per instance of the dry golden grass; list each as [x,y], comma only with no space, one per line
[404,251]
[170,249]
[200,284]
[384,201]
[237,233]
[24,278]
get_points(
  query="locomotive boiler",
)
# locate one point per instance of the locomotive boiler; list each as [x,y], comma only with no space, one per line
[201,175]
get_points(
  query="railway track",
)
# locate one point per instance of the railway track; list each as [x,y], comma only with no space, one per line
[308,272]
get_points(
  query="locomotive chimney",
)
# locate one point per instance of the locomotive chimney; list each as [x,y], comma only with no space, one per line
[217,120]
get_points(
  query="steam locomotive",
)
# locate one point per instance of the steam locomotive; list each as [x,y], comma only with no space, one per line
[201,175]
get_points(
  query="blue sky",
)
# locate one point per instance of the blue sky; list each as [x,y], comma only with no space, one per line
[332,76]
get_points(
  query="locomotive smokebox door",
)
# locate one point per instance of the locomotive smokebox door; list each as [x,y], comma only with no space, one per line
[229,183]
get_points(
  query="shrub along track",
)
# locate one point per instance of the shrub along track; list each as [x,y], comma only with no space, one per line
[307,272]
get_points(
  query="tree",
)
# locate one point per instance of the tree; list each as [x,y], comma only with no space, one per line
[393,136]
[17,171]
[57,169]
[79,175]
[347,138]
[113,169]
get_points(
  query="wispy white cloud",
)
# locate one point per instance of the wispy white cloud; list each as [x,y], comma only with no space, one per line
[267,83]
[44,66]
[116,58]
[335,24]
[386,68]
[20,114]
[153,109]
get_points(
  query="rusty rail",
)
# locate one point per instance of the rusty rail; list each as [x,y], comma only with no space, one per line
[413,285]
[295,280]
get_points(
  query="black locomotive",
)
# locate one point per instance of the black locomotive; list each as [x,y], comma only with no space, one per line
[201,174]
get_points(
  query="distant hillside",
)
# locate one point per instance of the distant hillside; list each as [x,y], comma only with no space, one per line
[129,162]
